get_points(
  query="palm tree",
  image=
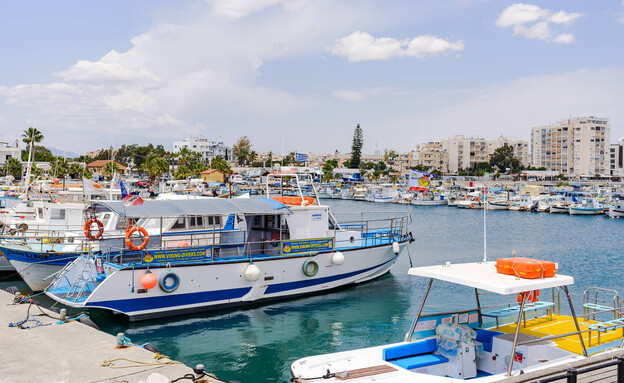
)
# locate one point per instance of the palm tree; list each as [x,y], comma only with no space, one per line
[155,165]
[184,155]
[111,168]
[13,167]
[31,136]
[75,170]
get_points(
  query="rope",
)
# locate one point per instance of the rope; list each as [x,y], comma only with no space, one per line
[137,363]
[29,318]
[124,341]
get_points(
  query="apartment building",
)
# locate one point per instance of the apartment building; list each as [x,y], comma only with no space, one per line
[463,152]
[430,155]
[575,146]
[521,148]
[7,151]
[617,159]
[208,149]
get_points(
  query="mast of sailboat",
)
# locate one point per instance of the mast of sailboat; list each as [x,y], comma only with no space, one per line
[485,202]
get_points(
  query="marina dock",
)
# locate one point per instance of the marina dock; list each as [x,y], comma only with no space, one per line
[73,352]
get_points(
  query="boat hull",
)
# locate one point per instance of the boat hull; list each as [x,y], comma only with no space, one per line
[223,284]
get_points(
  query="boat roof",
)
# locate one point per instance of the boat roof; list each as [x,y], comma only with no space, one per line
[483,276]
[192,207]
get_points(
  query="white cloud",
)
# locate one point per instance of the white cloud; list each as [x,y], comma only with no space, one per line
[349,95]
[367,94]
[360,46]
[564,38]
[533,22]
[240,8]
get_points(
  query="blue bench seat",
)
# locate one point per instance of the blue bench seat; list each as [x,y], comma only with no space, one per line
[485,338]
[414,355]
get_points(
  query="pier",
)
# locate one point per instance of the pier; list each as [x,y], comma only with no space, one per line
[74,352]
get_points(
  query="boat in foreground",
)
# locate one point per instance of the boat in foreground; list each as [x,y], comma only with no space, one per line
[478,344]
[280,248]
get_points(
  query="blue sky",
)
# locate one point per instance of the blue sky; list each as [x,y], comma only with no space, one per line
[92,74]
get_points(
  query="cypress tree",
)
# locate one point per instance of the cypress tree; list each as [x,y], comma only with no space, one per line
[356,148]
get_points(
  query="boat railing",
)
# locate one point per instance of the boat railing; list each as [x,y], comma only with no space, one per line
[597,300]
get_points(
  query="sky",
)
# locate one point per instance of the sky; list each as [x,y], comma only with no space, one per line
[299,75]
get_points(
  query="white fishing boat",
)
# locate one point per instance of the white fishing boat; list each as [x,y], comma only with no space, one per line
[430,199]
[529,337]
[560,208]
[386,194]
[280,250]
[587,206]
[616,208]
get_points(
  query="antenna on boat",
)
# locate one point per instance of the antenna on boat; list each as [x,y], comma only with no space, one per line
[484,225]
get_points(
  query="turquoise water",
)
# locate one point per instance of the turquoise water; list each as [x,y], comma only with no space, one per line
[259,344]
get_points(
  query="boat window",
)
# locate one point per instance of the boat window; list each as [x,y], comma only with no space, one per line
[149,223]
[57,214]
[196,222]
[179,223]
[214,221]
[40,213]
[105,219]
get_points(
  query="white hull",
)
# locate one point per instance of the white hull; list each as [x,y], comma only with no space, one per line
[616,213]
[36,275]
[220,284]
[383,200]
[559,210]
[5,265]
[429,202]
[580,211]
[498,206]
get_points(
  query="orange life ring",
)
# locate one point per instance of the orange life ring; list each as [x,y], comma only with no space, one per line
[87,228]
[129,243]
[532,296]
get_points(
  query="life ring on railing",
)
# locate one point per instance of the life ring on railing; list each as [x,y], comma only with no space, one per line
[310,268]
[129,243]
[532,296]
[87,228]
[169,288]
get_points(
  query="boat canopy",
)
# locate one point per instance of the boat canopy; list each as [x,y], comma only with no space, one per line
[193,207]
[483,276]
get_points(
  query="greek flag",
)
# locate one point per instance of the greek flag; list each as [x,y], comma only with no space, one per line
[301,157]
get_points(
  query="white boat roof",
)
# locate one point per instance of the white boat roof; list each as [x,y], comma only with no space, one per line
[483,276]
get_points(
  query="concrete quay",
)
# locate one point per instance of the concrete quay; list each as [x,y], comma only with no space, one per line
[73,352]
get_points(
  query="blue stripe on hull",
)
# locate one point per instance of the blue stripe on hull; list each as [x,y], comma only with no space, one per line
[57,259]
[130,306]
[152,303]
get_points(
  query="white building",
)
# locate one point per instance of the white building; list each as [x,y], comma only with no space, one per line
[617,158]
[208,149]
[463,152]
[7,151]
[576,146]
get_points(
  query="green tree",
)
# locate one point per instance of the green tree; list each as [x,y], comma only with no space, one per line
[242,150]
[31,136]
[504,158]
[75,170]
[356,148]
[221,165]
[197,168]
[13,167]
[288,159]
[184,154]
[155,165]
[328,169]
[111,168]
[183,172]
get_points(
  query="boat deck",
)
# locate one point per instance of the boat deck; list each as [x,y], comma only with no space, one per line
[562,324]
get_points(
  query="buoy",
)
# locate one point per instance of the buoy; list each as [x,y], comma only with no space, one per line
[182,244]
[171,277]
[338,259]
[149,280]
[252,273]
[396,248]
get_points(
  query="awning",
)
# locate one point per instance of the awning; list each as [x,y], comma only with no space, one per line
[483,275]
[194,207]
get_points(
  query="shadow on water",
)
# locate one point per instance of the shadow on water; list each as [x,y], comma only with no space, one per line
[258,344]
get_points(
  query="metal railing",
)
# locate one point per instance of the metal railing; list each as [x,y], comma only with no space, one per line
[571,374]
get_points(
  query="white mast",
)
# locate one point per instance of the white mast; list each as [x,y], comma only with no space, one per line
[485,202]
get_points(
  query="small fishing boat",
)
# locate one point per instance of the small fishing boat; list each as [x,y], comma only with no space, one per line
[280,247]
[485,344]
[616,208]
[587,206]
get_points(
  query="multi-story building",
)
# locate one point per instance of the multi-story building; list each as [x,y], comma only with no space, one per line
[617,158]
[463,152]
[7,151]
[431,156]
[576,146]
[208,149]
[521,148]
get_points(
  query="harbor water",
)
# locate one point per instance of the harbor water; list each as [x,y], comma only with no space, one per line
[258,344]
